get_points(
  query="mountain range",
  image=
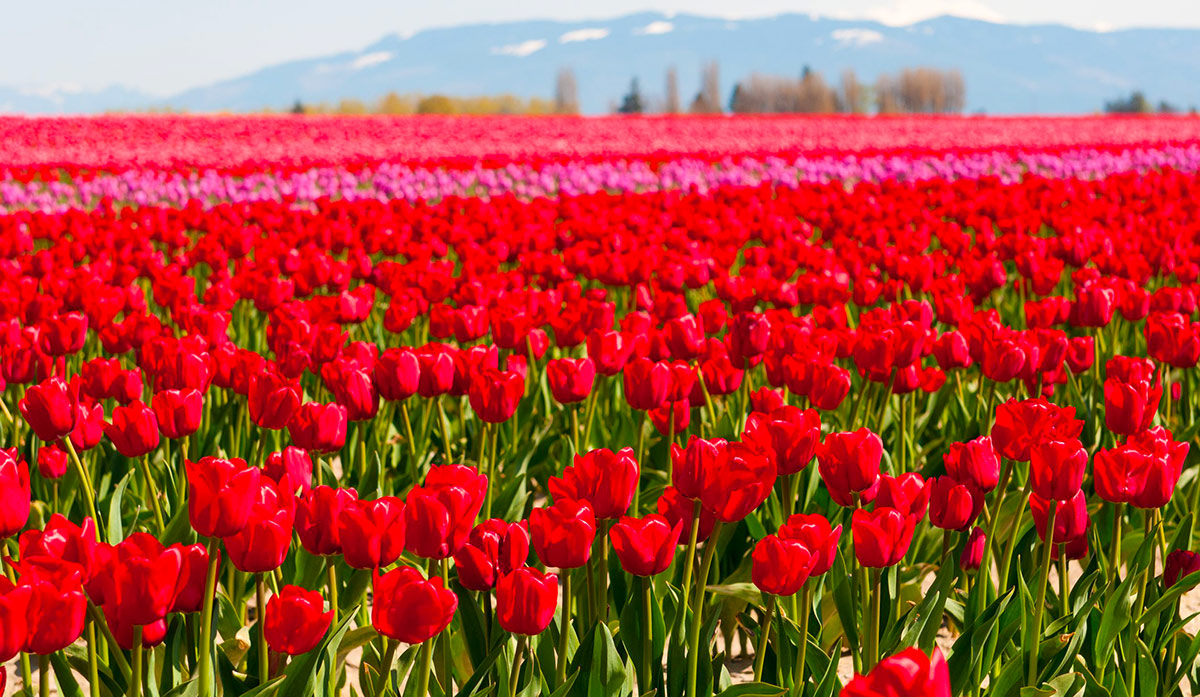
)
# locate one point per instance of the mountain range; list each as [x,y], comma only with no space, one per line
[1008,68]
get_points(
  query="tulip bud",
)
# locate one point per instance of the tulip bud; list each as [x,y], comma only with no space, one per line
[972,554]
[1180,563]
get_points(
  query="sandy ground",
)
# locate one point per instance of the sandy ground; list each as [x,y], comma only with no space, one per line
[740,666]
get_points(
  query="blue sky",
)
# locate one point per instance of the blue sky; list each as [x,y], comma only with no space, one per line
[164,46]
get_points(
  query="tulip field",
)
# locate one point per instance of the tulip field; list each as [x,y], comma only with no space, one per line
[678,406]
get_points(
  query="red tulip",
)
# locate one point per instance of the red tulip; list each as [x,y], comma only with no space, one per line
[740,480]
[605,479]
[410,609]
[318,427]
[397,374]
[220,495]
[1130,407]
[881,537]
[814,532]
[494,548]
[133,430]
[647,383]
[293,463]
[562,534]
[972,554]
[14,614]
[570,379]
[439,519]
[645,546]
[526,600]
[371,534]
[494,395]
[14,493]
[781,565]
[689,466]
[55,615]
[318,519]
[1120,474]
[1056,468]
[1070,518]
[678,509]
[1021,425]
[909,673]
[795,434]
[192,574]
[1180,563]
[975,462]
[52,464]
[908,493]
[295,621]
[263,543]
[50,409]
[849,465]
[178,412]
[1164,466]
[273,400]
[953,505]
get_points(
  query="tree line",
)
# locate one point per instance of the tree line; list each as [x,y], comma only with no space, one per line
[911,91]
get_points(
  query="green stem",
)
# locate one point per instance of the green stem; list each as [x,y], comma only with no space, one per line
[763,637]
[641,443]
[805,609]
[515,676]
[444,640]
[1039,607]
[44,677]
[564,629]
[412,444]
[1114,550]
[698,609]
[135,683]
[689,561]
[89,494]
[441,413]
[389,657]
[1064,590]
[93,661]
[206,620]
[332,587]
[645,676]
[116,655]
[152,493]
[602,581]
[875,591]
[1012,540]
[575,428]
[260,602]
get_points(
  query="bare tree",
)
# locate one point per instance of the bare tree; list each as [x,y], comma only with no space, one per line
[853,94]
[566,93]
[887,97]
[672,98]
[708,100]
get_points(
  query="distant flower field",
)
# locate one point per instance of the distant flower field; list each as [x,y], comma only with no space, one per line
[616,406]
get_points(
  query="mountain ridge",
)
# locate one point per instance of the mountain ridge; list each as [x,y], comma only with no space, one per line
[1009,68]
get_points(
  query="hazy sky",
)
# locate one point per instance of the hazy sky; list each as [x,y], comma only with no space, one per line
[166,46]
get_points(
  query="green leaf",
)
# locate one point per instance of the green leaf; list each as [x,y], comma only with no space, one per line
[116,531]
[191,688]
[968,649]
[68,686]
[602,665]
[752,689]
[1168,599]
[829,679]
[1115,615]
[300,675]
[746,592]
